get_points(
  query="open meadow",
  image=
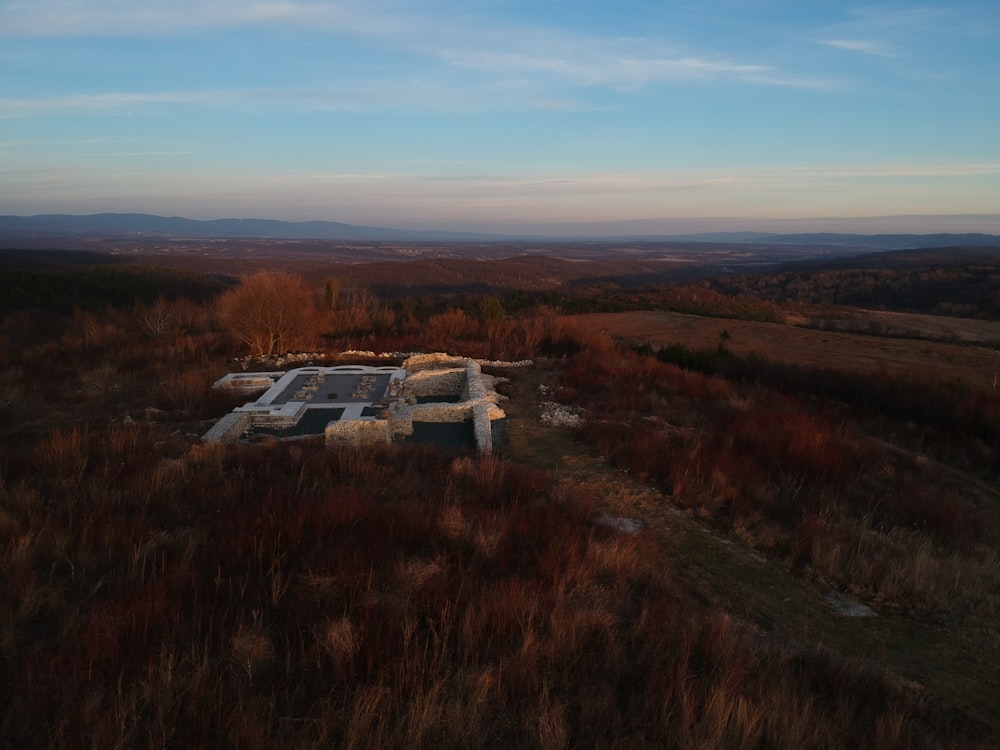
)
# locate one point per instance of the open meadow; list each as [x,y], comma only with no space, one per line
[921,356]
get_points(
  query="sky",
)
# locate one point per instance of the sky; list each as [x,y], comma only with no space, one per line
[503,115]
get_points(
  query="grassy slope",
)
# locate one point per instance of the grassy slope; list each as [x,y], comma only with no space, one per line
[941,362]
[938,655]
[949,659]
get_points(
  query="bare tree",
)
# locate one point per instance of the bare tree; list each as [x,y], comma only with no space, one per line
[270,312]
[157,318]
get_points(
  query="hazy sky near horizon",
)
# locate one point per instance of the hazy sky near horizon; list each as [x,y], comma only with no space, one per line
[502,114]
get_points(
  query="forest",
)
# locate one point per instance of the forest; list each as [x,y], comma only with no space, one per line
[745,537]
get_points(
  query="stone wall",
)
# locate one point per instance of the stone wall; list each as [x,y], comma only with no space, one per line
[427,375]
[479,400]
[482,425]
[475,388]
[449,382]
[247,382]
[231,427]
[357,433]
[436,361]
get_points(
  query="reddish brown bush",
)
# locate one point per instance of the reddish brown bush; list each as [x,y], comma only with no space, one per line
[271,313]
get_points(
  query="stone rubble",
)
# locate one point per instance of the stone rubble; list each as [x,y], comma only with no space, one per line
[561,415]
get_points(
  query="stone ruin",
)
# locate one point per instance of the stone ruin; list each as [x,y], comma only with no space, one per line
[356,405]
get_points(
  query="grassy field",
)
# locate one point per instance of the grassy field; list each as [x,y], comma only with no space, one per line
[946,657]
[975,366]
[672,571]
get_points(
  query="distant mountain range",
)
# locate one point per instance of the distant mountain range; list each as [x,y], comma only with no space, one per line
[147,225]
[833,239]
[111,225]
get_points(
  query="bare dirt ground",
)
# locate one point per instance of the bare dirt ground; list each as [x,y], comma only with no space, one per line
[977,366]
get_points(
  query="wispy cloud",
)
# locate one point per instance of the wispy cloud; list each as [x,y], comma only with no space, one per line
[106,102]
[912,19]
[899,32]
[968,169]
[868,46]
[700,178]
[156,18]
[431,30]
[358,97]
[501,200]
[621,64]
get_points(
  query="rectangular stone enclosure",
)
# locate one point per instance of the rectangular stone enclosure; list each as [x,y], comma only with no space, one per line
[366,405]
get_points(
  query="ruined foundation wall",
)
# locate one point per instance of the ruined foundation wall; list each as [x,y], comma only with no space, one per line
[247,382]
[230,427]
[357,433]
[428,375]
[436,361]
[482,425]
[449,382]
[478,404]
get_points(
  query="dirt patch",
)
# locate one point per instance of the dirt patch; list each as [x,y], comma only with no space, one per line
[848,606]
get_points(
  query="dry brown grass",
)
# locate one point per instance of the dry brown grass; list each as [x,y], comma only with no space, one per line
[65,453]
[936,362]
[163,594]
[655,419]
[904,568]
[423,612]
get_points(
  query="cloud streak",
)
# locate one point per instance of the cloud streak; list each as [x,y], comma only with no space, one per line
[430,30]
[107,101]
[45,18]
[348,99]
[647,183]
[504,200]
[899,32]
[868,46]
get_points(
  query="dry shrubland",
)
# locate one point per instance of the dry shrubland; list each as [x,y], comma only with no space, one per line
[396,598]
[795,481]
[162,592]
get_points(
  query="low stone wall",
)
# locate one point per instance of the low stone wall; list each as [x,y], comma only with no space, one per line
[231,427]
[403,415]
[272,421]
[482,425]
[247,382]
[400,421]
[475,388]
[427,376]
[500,363]
[459,412]
[435,361]
[478,404]
[357,433]
[450,382]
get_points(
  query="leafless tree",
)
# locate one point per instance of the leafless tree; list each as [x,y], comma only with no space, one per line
[157,318]
[270,312]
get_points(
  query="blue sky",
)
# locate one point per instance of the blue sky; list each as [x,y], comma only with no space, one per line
[505,115]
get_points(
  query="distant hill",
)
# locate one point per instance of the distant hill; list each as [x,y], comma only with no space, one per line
[148,225]
[882,241]
[847,241]
[50,227]
[917,255]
